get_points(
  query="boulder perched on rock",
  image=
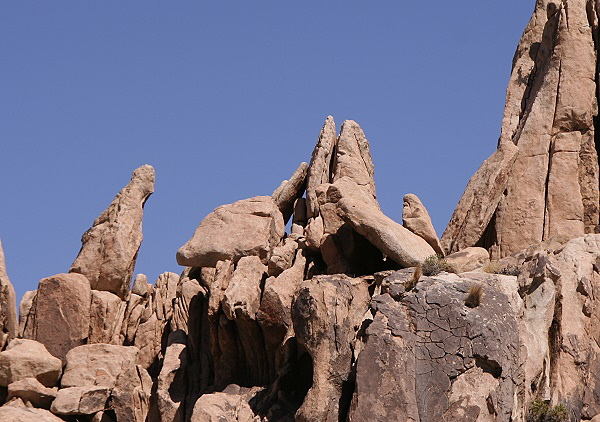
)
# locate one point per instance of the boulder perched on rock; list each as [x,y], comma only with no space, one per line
[28,359]
[416,219]
[80,400]
[249,227]
[468,259]
[8,306]
[109,248]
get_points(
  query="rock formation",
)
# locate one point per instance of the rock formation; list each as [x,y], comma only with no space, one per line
[543,180]
[109,248]
[335,320]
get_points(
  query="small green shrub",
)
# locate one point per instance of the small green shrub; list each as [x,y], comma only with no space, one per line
[434,264]
[541,411]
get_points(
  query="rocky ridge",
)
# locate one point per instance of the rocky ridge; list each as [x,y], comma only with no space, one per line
[351,315]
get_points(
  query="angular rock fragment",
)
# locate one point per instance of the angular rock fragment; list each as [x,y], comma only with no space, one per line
[416,219]
[224,406]
[30,390]
[171,384]
[249,227]
[109,248]
[80,400]
[468,259]
[27,314]
[28,359]
[8,306]
[290,190]
[107,311]
[62,313]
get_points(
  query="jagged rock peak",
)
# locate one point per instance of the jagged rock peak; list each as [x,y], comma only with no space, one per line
[543,180]
[109,248]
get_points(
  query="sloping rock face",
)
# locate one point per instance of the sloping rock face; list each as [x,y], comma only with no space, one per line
[8,307]
[543,180]
[109,248]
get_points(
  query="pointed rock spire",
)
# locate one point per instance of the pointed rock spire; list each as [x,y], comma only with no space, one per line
[109,248]
[543,180]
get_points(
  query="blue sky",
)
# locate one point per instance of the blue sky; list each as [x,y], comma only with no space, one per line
[225,99]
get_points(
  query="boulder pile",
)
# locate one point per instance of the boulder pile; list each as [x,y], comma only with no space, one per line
[346,315]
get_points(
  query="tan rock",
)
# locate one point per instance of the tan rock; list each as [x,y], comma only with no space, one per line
[416,219]
[130,398]
[468,259]
[28,359]
[290,190]
[27,314]
[19,413]
[282,257]
[543,180]
[320,163]
[218,407]
[352,158]
[30,390]
[249,227]
[393,240]
[8,306]
[80,400]
[326,313]
[63,313]
[97,365]
[106,317]
[109,248]
[172,385]
[243,293]
[140,285]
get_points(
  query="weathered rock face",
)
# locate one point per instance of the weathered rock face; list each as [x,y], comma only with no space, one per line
[543,180]
[30,390]
[249,227]
[62,313]
[8,306]
[109,248]
[28,359]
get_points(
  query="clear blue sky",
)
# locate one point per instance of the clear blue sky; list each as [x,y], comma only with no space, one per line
[225,99]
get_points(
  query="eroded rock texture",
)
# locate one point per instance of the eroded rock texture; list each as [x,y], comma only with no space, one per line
[109,248]
[543,180]
[8,307]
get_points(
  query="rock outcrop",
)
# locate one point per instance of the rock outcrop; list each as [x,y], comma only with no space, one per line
[109,248]
[543,180]
[335,320]
[8,307]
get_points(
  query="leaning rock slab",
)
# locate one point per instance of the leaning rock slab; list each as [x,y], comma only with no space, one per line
[28,359]
[109,248]
[63,306]
[395,241]
[248,227]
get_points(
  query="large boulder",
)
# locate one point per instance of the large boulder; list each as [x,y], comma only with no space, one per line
[80,400]
[109,248]
[62,319]
[30,390]
[248,227]
[28,359]
[362,213]
[18,412]
[8,306]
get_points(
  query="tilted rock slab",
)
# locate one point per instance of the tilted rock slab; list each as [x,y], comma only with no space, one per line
[30,390]
[391,238]
[290,190]
[543,181]
[250,227]
[8,306]
[109,248]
